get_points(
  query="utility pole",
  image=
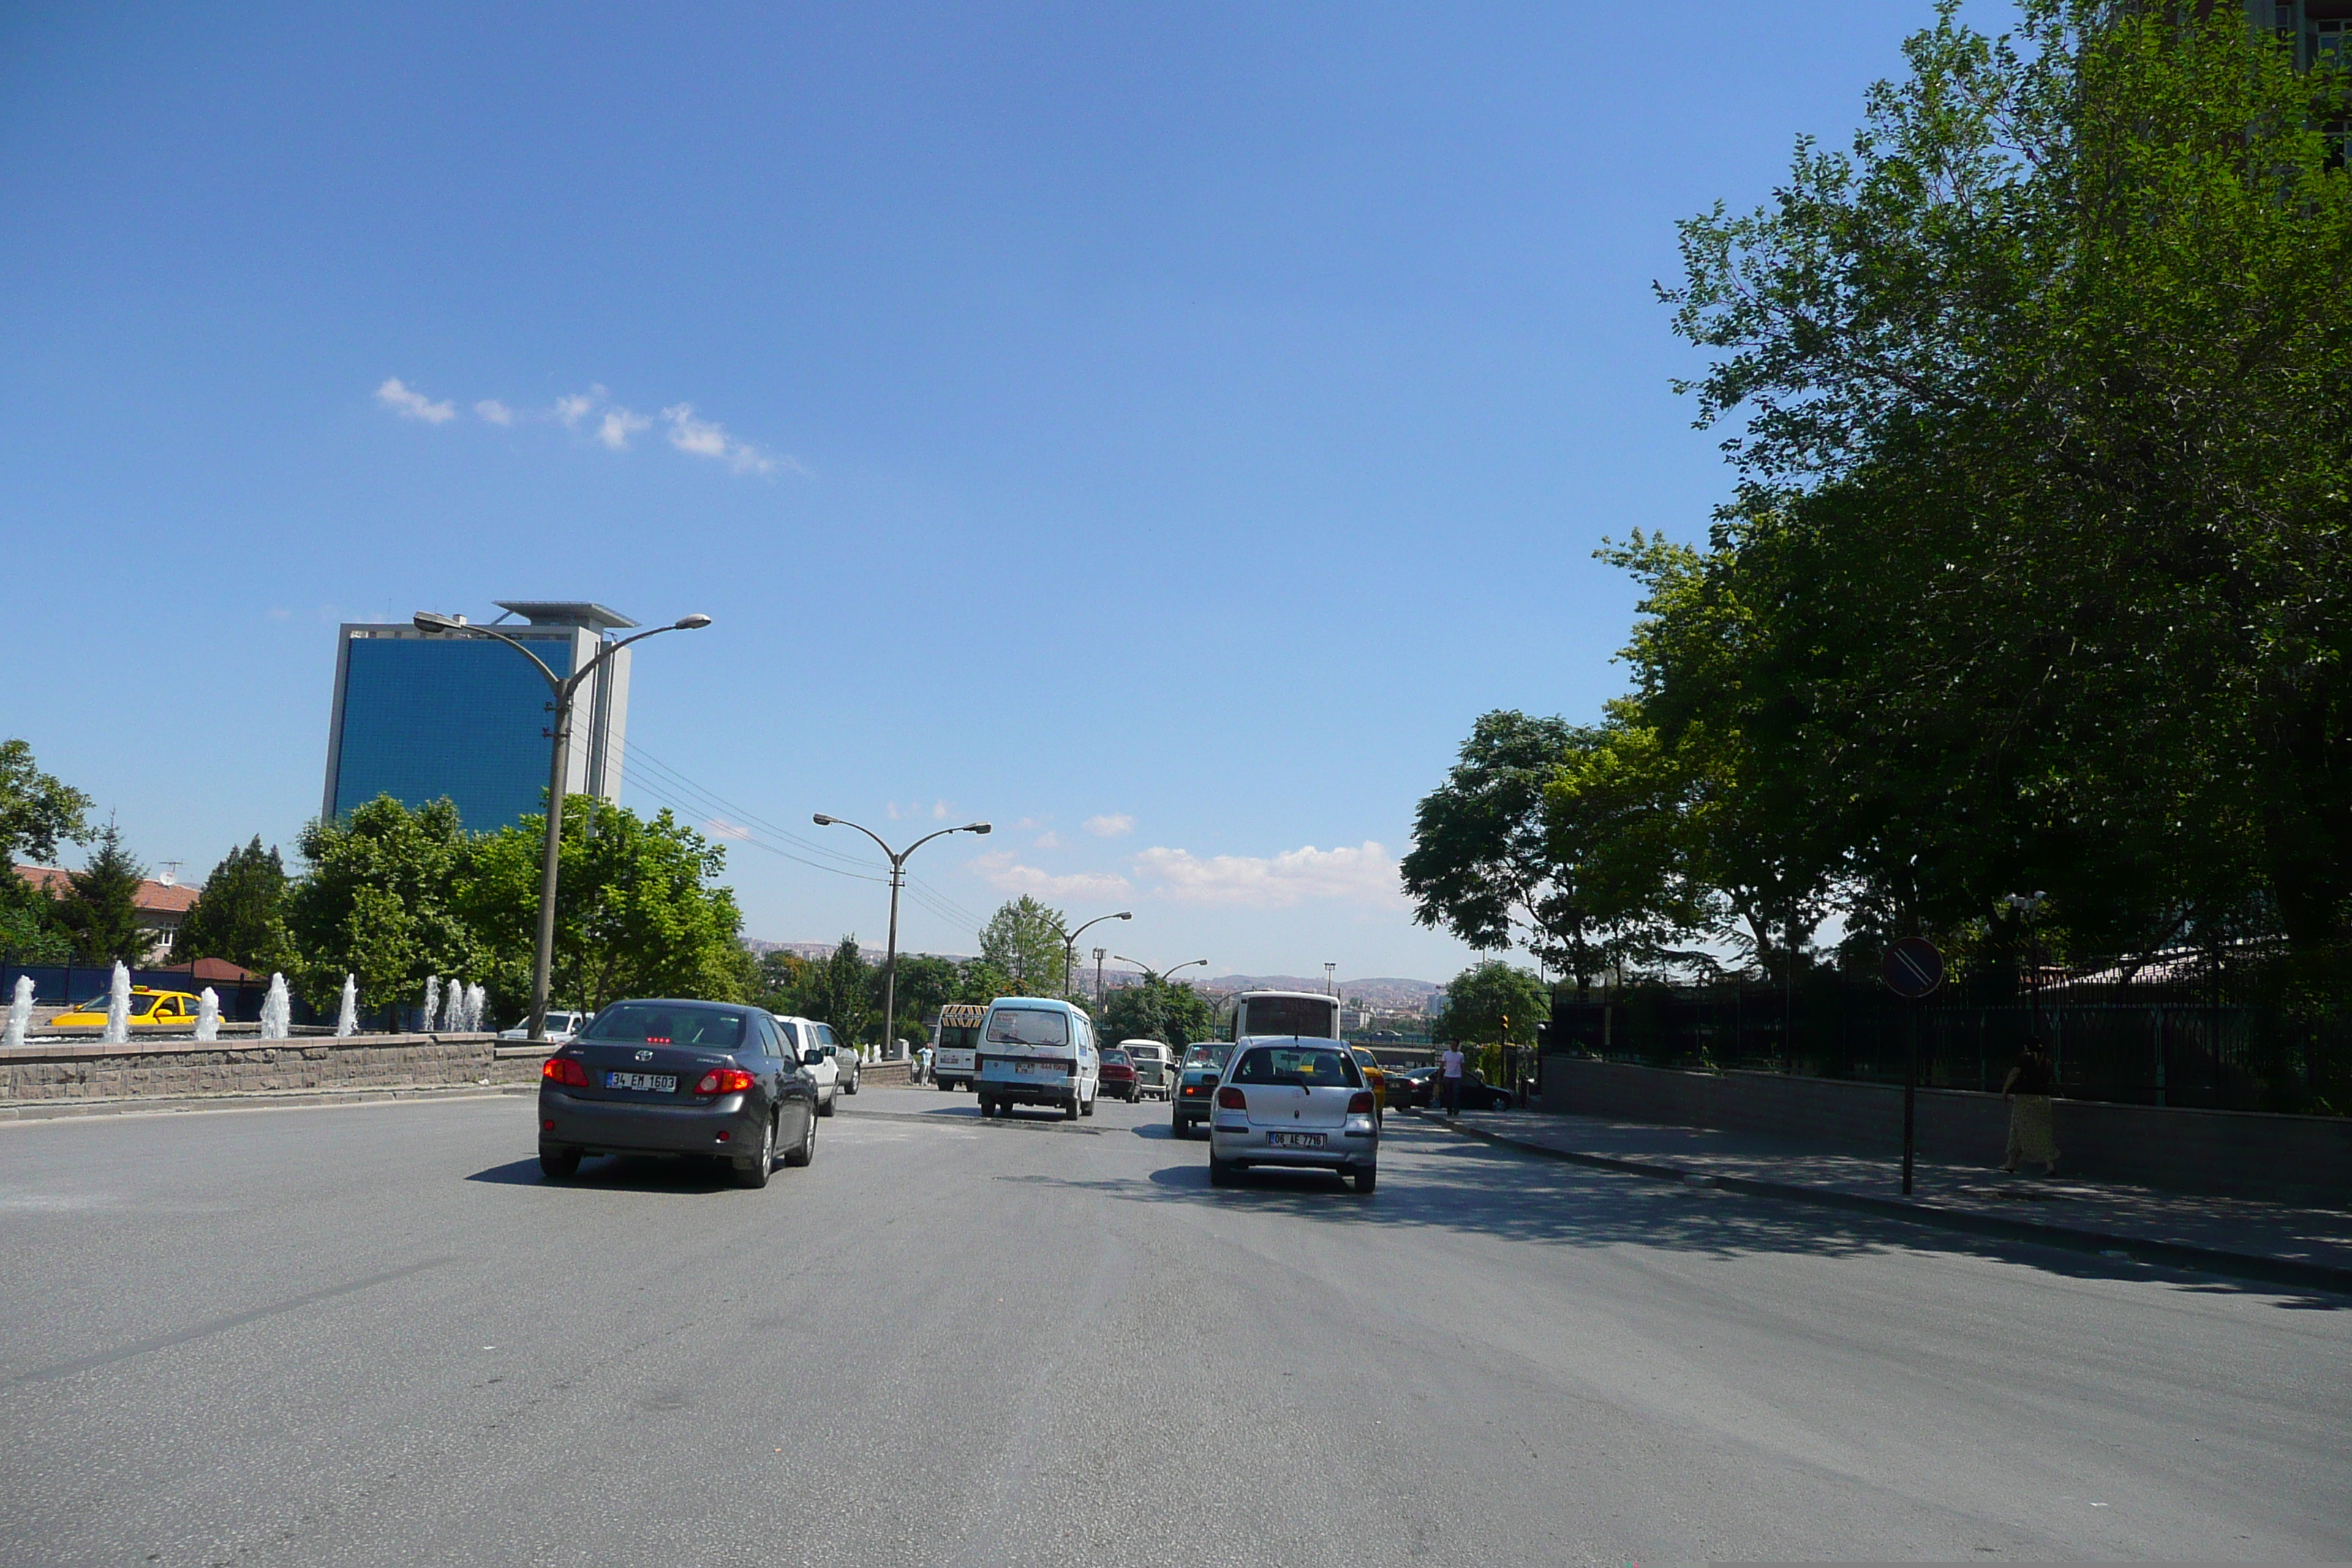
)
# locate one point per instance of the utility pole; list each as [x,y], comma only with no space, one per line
[897,859]
[1328,982]
[1098,958]
[566,688]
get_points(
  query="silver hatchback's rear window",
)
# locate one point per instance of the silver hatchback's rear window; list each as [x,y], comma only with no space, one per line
[1303,1066]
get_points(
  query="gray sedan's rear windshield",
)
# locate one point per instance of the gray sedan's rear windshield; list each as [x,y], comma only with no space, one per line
[1307,1067]
[650,1023]
[1028,1026]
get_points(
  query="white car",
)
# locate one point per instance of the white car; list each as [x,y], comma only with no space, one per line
[835,1075]
[563,1028]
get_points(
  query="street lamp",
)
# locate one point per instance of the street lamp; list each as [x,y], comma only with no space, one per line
[1329,985]
[1157,978]
[897,859]
[565,689]
[1070,948]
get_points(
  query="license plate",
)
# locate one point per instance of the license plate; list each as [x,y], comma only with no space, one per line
[650,1082]
[1293,1139]
[1054,1067]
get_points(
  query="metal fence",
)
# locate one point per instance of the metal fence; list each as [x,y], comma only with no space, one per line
[2224,1036]
[64,984]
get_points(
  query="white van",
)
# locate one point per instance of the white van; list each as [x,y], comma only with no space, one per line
[955,1045]
[1038,1050]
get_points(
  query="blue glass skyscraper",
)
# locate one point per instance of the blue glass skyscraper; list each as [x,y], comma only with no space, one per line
[419,716]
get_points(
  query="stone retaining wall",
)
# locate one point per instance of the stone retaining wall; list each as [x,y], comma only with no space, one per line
[48,1074]
[2250,1153]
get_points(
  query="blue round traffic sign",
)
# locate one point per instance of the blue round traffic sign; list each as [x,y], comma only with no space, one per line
[1913,967]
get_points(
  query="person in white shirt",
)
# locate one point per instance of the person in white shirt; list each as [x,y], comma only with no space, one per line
[1449,1079]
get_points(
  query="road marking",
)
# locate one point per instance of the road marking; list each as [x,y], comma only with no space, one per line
[218,1325]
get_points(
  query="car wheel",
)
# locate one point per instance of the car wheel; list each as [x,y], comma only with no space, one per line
[1221,1172]
[1087,1107]
[825,1102]
[807,1150]
[1074,1110]
[559,1164]
[754,1172]
[1367,1176]
[853,1082]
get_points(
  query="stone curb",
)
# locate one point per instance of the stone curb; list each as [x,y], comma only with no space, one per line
[260,1100]
[2076,1238]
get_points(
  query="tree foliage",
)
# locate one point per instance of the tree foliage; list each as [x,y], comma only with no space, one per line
[1493,1003]
[240,915]
[382,898]
[38,811]
[1155,1009]
[1023,941]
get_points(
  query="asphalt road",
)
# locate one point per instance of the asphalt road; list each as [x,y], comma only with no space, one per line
[372,1335]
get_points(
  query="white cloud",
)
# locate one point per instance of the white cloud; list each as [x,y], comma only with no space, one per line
[1003,871]
[397,397]
[618,425]
[1048,841]
[494,411]
[707,438]
[572,407]
[1364,875]
[1111,826]
[938,811]
[719,828]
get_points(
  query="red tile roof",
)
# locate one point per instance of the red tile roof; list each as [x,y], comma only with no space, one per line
[152,898]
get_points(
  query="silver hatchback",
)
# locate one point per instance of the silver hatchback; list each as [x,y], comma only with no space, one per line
[1293,1101]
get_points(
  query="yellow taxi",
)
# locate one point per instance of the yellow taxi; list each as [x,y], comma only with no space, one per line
[150,1009]
[1374,1075]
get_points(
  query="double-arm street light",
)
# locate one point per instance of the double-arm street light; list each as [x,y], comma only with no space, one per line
[1159,977]
[1070,950]
[897,859]
[566,688]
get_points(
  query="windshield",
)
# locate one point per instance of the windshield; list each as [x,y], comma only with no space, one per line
[1116,1059]
[1028,1026]
[140,1006]
[1312,1016]
[657,1023]
[959,1037]
[1306,1068]
[1212,1056]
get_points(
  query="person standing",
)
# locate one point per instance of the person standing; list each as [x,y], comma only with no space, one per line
[2032,1130]
[1449,1079]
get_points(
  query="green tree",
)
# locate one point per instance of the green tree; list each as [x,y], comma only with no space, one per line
[1022,941]
[1154,1009]
[1481,997]
[98,911]
[638,912]
[29,928]
[382,898]
[240,915]
[36,810]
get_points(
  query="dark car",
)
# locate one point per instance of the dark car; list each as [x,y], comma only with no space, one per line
[1407,1089]
[1477,1094]
[1118,1075]
[704,1080]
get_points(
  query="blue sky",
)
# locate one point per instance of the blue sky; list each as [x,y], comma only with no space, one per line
[1163,429]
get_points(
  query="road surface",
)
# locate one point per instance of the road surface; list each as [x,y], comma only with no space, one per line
[374,1335]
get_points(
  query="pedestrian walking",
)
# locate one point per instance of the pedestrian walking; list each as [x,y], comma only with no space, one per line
[2032,1130]
[1449,1079]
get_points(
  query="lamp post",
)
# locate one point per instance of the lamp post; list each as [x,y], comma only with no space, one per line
[1098,958]
[2028,906]
[897,859]
[1157,978]
[565,689]
[1329,985]
[1070,948]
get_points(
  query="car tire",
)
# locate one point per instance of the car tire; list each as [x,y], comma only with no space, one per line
[1367,1177]
[853,1082]
[825,1102]
[754,1172]
[1075,1109]
[987,1107]
[559,1164]
[1087,1108]
[1221,1172]
[807,1150]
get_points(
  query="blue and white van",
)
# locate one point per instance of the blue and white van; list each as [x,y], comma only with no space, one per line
[1038,1050]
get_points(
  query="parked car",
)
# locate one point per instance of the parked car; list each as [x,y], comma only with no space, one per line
[150,1009]
[812,1043]
[1118,1075]
[1477,1094]
[560,1026]
[1407,1089]
[1155,1067]
[1196,1086]
[702,1080]
[1375,1076]
[1294,1102]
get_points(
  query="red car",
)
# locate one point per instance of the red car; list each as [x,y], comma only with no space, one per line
[1118,1075]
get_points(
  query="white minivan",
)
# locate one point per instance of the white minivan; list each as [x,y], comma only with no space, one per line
[1038,1050]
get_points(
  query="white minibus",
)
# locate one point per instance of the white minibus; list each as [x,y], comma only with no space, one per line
[1038,1050]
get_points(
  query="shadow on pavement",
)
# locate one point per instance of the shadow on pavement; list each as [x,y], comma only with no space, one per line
[1454,1185]
[619,1173]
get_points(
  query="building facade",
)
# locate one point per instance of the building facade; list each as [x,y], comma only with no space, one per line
[420,715]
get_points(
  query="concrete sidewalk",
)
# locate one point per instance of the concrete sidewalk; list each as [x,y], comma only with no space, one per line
[2298,1246]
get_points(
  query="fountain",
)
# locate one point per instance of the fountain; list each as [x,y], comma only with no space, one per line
[453,1001]
[118,1007]
[277,1010]
[478,1002]
[20,1012]
[347,1021]
[431,1002]
[209,1015]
